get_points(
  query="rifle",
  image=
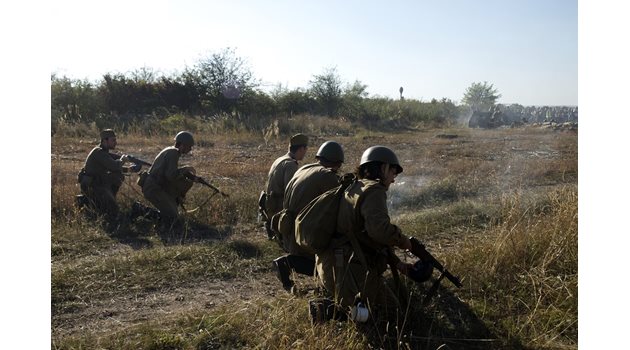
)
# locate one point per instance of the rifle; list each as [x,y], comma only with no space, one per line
[131,158]
[418,249]
[202,181]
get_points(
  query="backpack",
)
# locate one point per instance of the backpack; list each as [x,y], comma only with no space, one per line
[317,221]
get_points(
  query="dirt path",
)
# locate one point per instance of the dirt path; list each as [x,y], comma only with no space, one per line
[106,316]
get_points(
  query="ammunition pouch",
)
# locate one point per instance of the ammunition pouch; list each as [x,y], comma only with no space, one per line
[283,223]
[84,179]
[142,177]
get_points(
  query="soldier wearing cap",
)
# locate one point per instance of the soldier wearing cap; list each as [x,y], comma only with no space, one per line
[309,181]
[280,174]
[351,270]
[102,176]
[166,183]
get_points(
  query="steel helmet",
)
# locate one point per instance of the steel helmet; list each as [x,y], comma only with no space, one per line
[331,151]
[381,154]
[185,138]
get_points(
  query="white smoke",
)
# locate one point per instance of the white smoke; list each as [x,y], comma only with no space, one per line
[402,189]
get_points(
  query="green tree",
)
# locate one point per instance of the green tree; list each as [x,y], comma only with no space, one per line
[480,96]
[73,100]
[353,97]
[326,89]
[225,80]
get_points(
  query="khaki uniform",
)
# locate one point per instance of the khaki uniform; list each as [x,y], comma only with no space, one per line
[102,177]
[166,186]
[363,211]
[280,174]
[308,182]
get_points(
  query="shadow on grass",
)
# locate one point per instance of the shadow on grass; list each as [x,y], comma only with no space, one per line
[449,323]
[137,233]
[191,232]
[446,322]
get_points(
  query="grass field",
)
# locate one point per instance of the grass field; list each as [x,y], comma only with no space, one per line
[497,207]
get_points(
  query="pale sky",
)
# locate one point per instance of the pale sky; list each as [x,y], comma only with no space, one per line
[433,49]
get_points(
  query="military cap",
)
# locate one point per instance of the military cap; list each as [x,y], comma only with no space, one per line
[299,139]
[107,133]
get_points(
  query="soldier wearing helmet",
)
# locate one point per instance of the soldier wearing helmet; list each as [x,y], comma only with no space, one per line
[166,183]
[353,269]
[280,174]
[102,176]
[309,181]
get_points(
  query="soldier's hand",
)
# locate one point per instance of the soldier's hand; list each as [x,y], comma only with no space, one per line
[405,244]
[124,158]
[189,169]
[136,167]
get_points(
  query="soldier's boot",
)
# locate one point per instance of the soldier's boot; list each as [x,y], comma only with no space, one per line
[80,201]
[323,309]
[140,210]
[283,272]
[137,210]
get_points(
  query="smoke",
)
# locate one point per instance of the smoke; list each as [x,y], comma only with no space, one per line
[405,188]
[464,115]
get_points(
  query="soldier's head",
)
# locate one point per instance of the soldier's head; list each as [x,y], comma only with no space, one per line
[184,141]
[298,145]
[108,139]
[330,155]
[379,163]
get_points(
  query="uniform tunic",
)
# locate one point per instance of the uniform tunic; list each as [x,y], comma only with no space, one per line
[363,210]
[166,186]
[308,182]
[103,177]
[280,174]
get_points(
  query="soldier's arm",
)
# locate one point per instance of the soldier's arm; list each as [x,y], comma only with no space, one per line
[109,163]
[329,181]
[171,172]
[377,221]
[289,170]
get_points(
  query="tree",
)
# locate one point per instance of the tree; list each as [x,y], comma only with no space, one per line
[225,79]
[352,100]
[326,89]
[481,96]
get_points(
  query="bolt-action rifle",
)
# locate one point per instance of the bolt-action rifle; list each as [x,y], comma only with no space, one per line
[131,158]
[201,180]
[418,249]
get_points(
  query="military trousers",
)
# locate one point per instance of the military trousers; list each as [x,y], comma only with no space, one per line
[103,199]
[344,277]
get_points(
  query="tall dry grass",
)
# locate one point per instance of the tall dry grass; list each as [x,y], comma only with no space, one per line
[498,207]
[523,274]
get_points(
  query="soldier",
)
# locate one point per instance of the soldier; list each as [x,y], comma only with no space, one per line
[280,174]
[308,182]
[102,176]
[351,269]
[166,183]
